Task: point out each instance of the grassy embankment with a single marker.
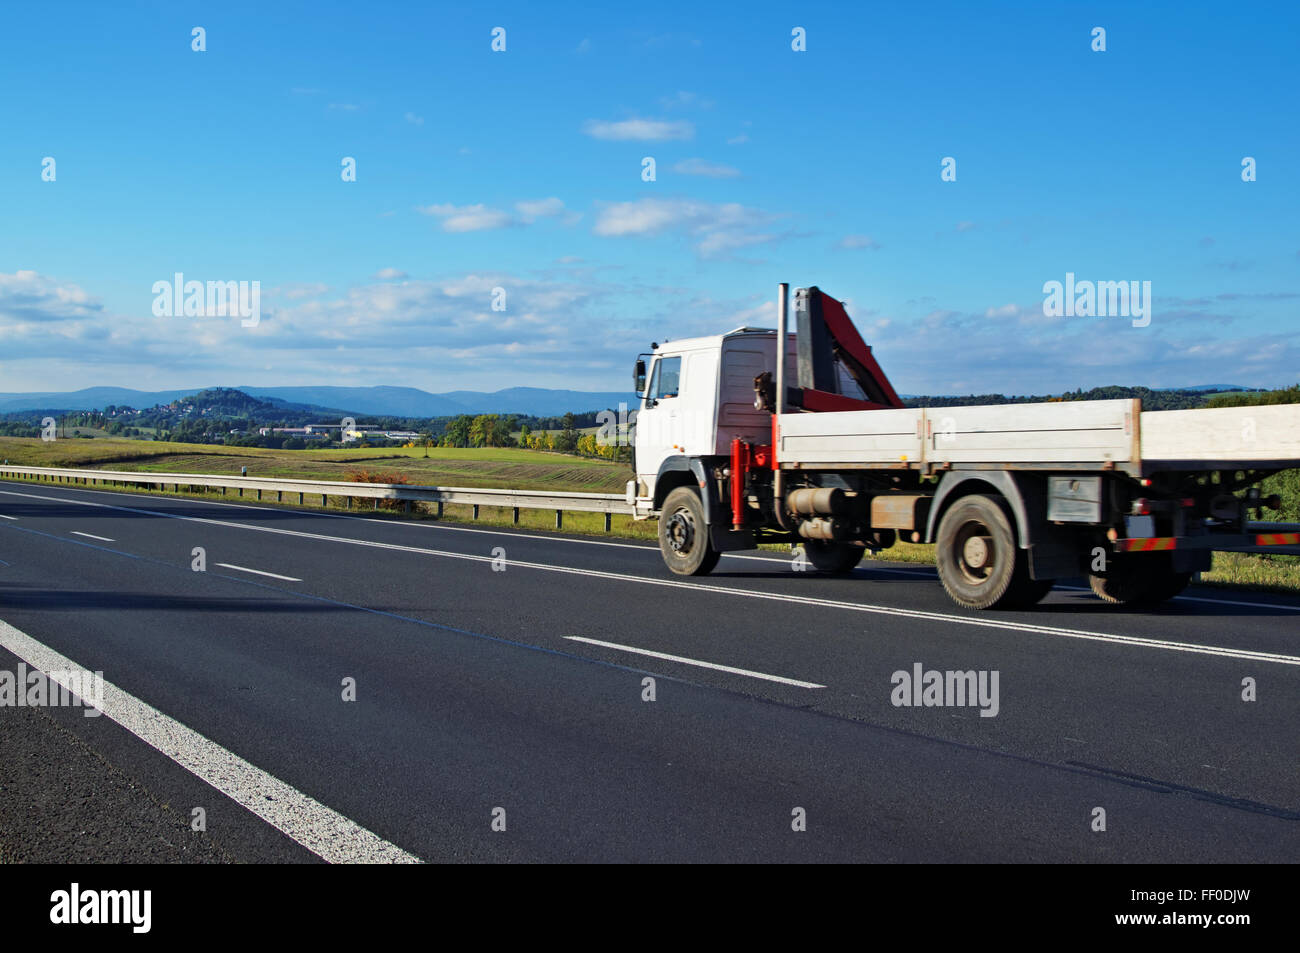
(502, 468)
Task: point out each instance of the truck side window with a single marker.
(668, 373)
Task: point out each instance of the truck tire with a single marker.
(1145, 580)
(831, 557)
(979, 562)
(684, 535)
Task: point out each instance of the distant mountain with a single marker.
(91, 398)
(391, 401)
(384, 400)
(538, 401)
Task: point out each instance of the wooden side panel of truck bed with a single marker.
(1088, 433)
(1222, 436)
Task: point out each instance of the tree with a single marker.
(501, 427)
(567, 442)
(480, 431)
(457, 434)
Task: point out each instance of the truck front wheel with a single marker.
(684, 535)
(979, 563)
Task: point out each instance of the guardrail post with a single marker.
(279, 496)
(300, 499)
(559, 518)
(475, 511)
(241, 491)
(324, 500)
(516, 515)
(406, 506)
(259, 496)
(374, 500)
(349, 503)
(223, 491)
(440, 509)
(609, 521)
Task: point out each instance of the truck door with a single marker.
(659, 422)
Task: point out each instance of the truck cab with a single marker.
(697, 397)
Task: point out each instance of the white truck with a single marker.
(733, 448)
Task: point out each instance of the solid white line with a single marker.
(3, 517)
(259, 572)
(691, 661)
(102, 539)
(321, 830)
(987, 622)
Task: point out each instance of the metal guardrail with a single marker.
(607, 503)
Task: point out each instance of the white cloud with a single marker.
(388, 274)
(532, 209)
(29, 297)
(716, 228)
(414, 120)
(703, 167)
(466, 218)
(642, 130)
(345, 107)
(739, 140)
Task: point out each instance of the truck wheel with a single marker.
(684, 535)
(980, 565)
(1139, 580)
(831, 557)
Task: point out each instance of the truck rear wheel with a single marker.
(831, 557)
(684, 535)
(980, 564)
(1133, 580)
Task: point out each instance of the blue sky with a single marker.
(522, 170)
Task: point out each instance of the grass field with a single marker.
(494, 468)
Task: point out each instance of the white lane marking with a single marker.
(3, 517)
(258, 572)
(102, 539)
(690, 661)
(806, 601)
(321, 830)
(584, 542)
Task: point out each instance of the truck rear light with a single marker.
(1141, 507)
(1188, 502)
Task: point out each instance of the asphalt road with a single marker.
(500, 681)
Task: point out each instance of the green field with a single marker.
(488, 468)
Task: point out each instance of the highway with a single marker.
(500, 681)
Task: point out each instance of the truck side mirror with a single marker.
(639, 377)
